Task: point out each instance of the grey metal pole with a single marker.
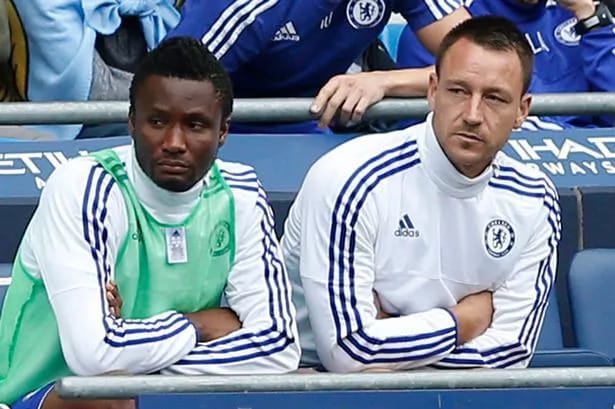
(105, 387)
(265, 110)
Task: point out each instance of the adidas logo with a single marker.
(287, 33)
(406, 228)
(326, 22)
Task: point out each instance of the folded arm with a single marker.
(519, 303)
(74, 238)
(338, 233)
(258, 292)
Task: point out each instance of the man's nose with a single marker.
(174, 139)
(473, 114)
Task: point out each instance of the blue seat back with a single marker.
(551, 334)
(591, 284)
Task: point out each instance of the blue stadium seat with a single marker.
(5, 273)
(567, 357)
(550, 351)
(591, 283)
(551, 333)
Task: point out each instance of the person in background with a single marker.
(70, 50)
(287, 48)
(155, 256)
(429, 246)
(572, 41)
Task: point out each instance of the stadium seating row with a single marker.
(584, 211)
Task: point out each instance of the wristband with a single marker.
(602, 17)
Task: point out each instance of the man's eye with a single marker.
(196, 125)
(155, 121)
(496, 98)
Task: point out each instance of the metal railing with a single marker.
(284, 109)
(106, 387)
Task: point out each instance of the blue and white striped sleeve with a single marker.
(431, 20)
(422, 13)
(235, 31)
(339, 228)
(74, 237)
(521, 301)
(258, 291)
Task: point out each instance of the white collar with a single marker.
(165, 206)
(442, 172)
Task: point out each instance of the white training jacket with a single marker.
(258, 290)
(389, 213)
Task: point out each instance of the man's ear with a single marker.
(524, 109)
(431, 90)
(224, 128)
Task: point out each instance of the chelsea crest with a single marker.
(365, 13)
(499, 238)
(565, 34)
(220, 239)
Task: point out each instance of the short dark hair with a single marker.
(185, 58)
(492, 33)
